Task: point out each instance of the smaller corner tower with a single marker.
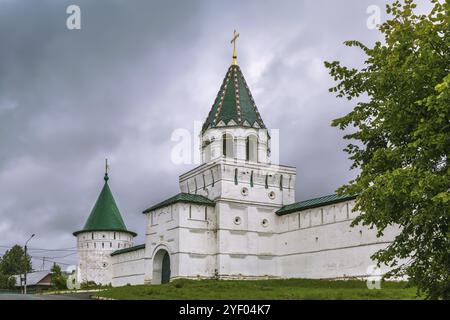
(103, 233)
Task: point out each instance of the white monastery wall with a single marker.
(245, 240)
(320, 243)
(188, 233)
(128, 268)
(197, 249)
(241, 237)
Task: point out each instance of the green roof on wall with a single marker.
(182, 197)
(130, 249)
(313, 203)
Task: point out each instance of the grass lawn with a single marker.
(297, 289)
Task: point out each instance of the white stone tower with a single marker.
(237, 174)
(103, 233)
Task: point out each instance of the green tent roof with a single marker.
(105, 216)
(234, 104)
(313, 203)
(182, 197)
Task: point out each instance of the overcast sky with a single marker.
(135, 72)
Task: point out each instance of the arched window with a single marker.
(228, 145)
(251, 148)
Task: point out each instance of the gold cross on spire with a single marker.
(233, 41)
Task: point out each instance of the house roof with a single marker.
(105, 216)
(34, 278)
(182, 197)
(130, 249)
(313, 203)
(234, 104)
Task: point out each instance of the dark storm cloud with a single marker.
(136, 71)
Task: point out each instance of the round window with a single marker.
(272, 195)
(244, 191)
(237, 220)
(265, 222)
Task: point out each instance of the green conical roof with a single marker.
(105, 216)
(234, 104)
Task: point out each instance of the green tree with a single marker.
(59, 280)
(400, 140)
(14, 261)
(7, 281)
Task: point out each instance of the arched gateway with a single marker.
(161, 267)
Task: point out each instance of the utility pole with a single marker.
(26, 265)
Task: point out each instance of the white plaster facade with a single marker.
(243, 238)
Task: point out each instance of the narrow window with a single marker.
(110, 244)
(114, 236)
(95, 245)
(103, 245)
(195, 181)
(236, 176)
(281, 182)
(224, 145)
(251, 179)
(92, 236)
(206, 213)
(190, 211)
(267, 181)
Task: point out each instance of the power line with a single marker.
(62, 249)
(49, 259)
(58, 257)
(57, 262)
(43, 249)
